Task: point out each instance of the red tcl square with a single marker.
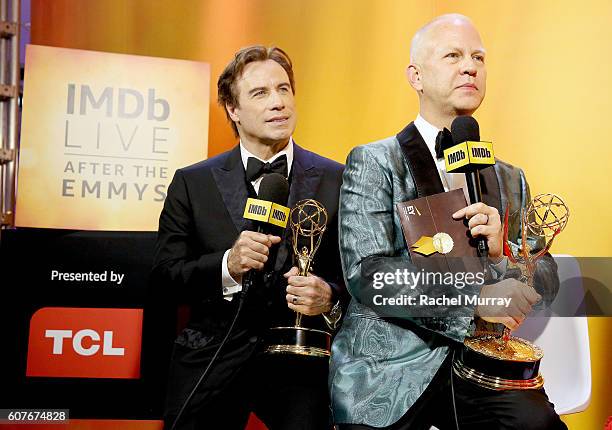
(85, 343)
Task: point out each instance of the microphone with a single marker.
(268, 210)
(270, 216)
(468, 155)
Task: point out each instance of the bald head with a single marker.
(425, 38)
(447, 69)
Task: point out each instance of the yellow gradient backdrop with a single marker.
(548, 108)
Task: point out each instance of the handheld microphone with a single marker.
(468, 155)
(270, 216)
(268, 210)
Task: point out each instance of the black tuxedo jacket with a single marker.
(202, 217)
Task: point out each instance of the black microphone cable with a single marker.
(465, 129)
(453, 390)
(212, 361)
(275, 188)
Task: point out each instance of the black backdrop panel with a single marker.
(28, 257)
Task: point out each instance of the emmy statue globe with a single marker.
(504, 362)
(308, 222)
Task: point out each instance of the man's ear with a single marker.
(231, 110)
(413, 72)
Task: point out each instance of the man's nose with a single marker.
(468, 66)
(276, 101)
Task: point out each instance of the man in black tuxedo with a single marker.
(205, 247)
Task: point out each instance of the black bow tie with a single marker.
(256, 168)
(444, 140)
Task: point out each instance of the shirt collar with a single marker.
(287, 150)
(429, 133)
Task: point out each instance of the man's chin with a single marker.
(280, 134)
(276, 138)
(467, 108)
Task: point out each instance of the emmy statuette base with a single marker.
(495, 371)
(298, 341)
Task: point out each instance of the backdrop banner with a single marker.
(102, 135)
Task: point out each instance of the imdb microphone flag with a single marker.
(266, 212)
(102, 135)
(468, 155)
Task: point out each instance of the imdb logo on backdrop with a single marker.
(102, 135)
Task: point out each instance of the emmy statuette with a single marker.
(308, 222)
(506, 362)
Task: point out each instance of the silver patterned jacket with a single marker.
(379, 367)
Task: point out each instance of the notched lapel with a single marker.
(231, 184)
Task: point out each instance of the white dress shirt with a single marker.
(230, 286)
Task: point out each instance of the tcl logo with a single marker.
(77, 342)
(85, 342)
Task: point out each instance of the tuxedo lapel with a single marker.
(231, 184)
(491, 193)
(425, 172)
(422, 165)
(305, 178)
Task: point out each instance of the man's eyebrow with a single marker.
(254, 90)
(456, 48)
